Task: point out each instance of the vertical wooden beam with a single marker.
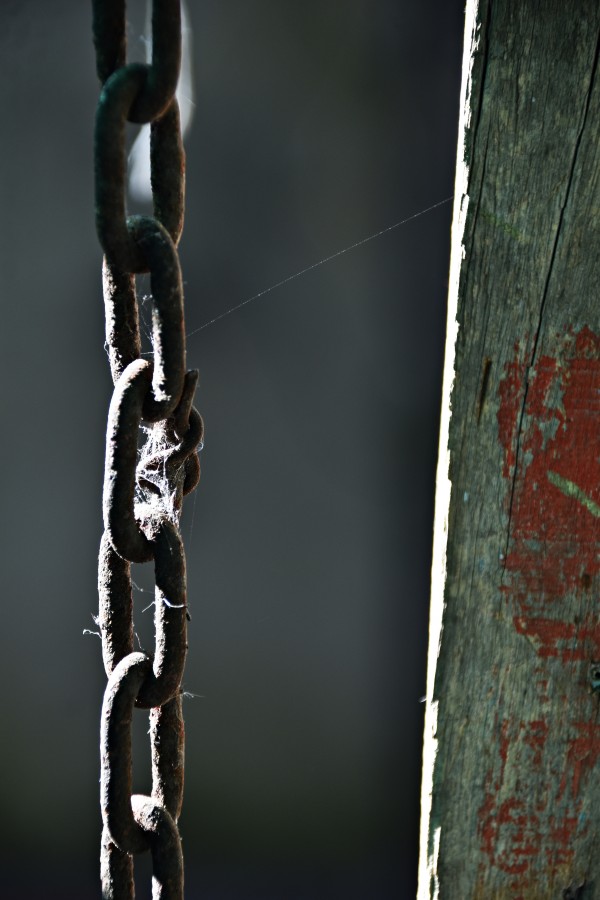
(511, 784)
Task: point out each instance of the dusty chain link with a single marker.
(143, 490)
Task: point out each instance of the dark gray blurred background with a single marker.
(316, 123)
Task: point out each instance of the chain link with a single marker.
(143, 490)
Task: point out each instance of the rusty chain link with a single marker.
(143, 490)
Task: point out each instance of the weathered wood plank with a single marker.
(511, 790)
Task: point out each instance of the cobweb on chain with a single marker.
(159, 483)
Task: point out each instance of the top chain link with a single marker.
(137, 93)
(143, 498)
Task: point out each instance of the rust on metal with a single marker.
(143, 489)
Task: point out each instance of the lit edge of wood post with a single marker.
(429, 840)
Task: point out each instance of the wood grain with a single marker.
(512, 745)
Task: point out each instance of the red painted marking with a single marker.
(536, 739)
(554, 537)
(510, 832)
(559, 844)
(553, 553)
(582, 756)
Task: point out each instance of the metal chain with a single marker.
(142, 497)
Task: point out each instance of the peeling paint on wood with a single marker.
(553, 499)
(549, 427)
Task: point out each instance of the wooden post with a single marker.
(511, 784)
